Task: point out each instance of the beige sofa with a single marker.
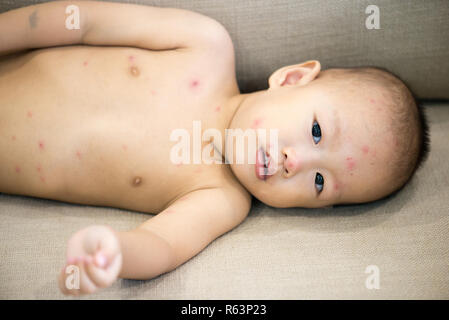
(285, 253)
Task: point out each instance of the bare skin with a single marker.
(91, 124)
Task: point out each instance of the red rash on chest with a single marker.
(17, 168)
(41, 145)
(29, 114)
(78, 155)
(38, 168)
(365, 149)
(194, 84)
(13, 138)
(217, 109)
(85, 63)
(256, 123)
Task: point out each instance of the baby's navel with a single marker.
(137, 181)
(134, 71)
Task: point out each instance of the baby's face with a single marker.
(333, 145)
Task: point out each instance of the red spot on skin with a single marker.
(336, 186)
(217, 109)
(365, 149)
(42, 179)
(13, 138)
(41, 145)
(131, 58)
(29, 114)
(78, 155)
(256, 123)
(17, 168)
(124, 147)
(350, 163)
(194, 84)
(39, 168)
(153, 92)
(85, 63)
(372, 100)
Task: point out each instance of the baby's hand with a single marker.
(96, 259)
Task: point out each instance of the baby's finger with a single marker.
(104, 277)
(80, 282)
(101, 238)
(99, 276)
(86, 284)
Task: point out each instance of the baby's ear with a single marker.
(295, 75)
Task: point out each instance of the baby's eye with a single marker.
(319, 182)
(316, 132)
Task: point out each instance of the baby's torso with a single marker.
(92, 125)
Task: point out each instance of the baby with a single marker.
(100, 122)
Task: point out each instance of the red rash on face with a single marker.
(365, 149)
(336, 186)
(350, 163)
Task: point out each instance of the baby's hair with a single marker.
(408, 121)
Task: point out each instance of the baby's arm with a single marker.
(167, 240)
(181, 231)
(109, 24)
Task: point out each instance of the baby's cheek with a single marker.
(350, 163)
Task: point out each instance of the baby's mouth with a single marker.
(265, 167)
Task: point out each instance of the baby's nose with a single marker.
(291, 160)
